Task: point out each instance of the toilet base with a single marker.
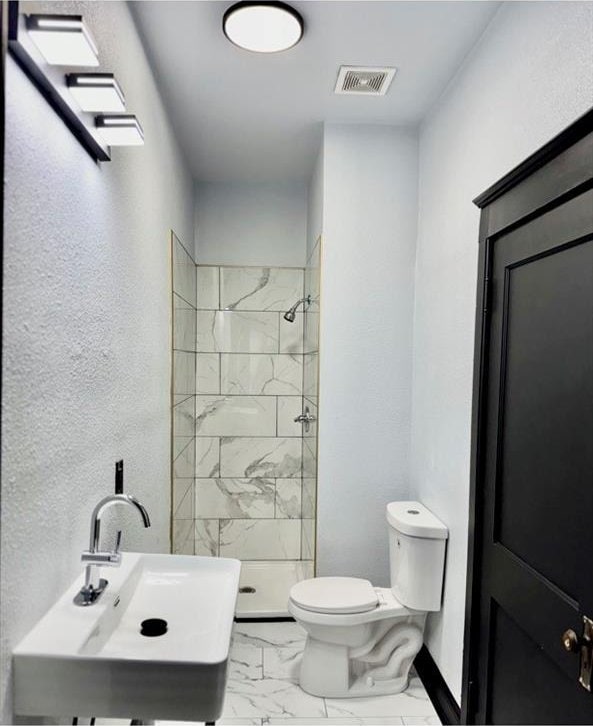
(378, 664)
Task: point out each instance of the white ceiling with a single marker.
(244, 116)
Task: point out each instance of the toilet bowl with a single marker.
(362, 640)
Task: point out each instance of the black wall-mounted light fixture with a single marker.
(263, 27)
(46, 47)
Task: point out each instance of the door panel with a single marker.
(536, 577)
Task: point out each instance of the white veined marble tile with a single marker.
(206, 535)
(260, 539)
(260, 288)
(267, 635)
(180, 304)
(310, 373)
(207, 456)
(207, 288)
(237, 332)
(184, 274)
(235, 416)
(184, 463)
(421, 721)
(235, 498)
(413, 701)
(289, 407)
(309, 458)
(183, 498)
(269, 375)
(268, 458)
(183, 537)
(207, 373)
(184, 415)
(246, 663)
(184, 372)
(309, 497)
(288, 498)
(291, 334)
(282, 663)
(311, 333)
(184, 329)
(269, 697)
(308, 539)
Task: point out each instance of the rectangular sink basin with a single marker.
(94, 661)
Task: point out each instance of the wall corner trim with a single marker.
(442, 699)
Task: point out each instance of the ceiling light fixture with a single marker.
(263, 27)
(96, 92)
(63, 40)
(120, 129)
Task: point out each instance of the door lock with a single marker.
(584, 646)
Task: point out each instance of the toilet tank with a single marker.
(417, 541)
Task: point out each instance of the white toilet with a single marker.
(361, 640)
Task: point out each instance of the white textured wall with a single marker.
(315, 204)
(369, 234)
(86, 329)
(251, 224)
(530, 76)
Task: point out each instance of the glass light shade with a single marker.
(263, 27)
(96, 92)
(63, 40)
(120, 129)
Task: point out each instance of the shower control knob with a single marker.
(305, 418)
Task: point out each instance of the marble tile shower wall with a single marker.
(246, 499)
(310, 400)
(183, 390)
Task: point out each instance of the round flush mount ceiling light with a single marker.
(263, 27)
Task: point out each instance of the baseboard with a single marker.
(438, 691)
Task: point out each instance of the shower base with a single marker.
(264, 587)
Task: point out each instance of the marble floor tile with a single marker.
(269, 635)
(386, 721)
(421, 721)
(413, 701)
(269, 697)
(282, 663)
(246, 663)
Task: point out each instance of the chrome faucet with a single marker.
(94, 586)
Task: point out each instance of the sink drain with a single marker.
(153, 627)
(247, 590)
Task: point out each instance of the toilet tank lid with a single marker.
(415, 520)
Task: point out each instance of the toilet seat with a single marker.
(335, 595)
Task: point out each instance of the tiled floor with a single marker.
(263, 687)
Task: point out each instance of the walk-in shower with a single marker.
(244, 410)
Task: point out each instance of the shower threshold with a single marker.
(264, 587)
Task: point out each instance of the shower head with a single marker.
(290, 315)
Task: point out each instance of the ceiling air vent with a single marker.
(364, 81)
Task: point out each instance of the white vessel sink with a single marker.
(93, 661)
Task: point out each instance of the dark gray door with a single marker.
(536, 538)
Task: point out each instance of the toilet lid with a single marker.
(335, 595)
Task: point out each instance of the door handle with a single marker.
(584, 646)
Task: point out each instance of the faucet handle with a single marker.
(117, 542)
